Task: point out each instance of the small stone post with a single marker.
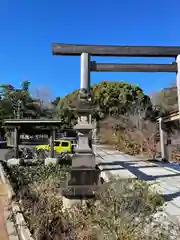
(162, 140)
(51, 143)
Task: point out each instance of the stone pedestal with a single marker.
(85, 160)
(82, 183)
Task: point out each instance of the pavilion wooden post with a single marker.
(16, 142)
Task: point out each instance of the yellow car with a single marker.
(59, 146)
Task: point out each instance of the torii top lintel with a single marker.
(112, 50)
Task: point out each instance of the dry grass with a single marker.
(131, 139)
(107, 135)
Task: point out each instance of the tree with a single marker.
(15, 99)
(141, 128)
(18, 103)
(114, 97)
(167, 99)
(56, 101)
(111, 98)
(42, 98)
(25, 86)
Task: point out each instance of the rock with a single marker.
(49, 160)
(14, 161)
(68, 203)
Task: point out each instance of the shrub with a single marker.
(124, 211)
(21, 176)
(43, 211)
(121, 210)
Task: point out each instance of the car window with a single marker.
(56, 144)
(64, 144)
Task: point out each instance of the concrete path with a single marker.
(113, 162)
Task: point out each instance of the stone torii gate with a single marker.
(87, 66)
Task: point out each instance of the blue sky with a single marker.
(27, 28)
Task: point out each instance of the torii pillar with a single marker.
(85, 72)
(178, 80)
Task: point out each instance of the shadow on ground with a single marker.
(135, 170)
(128, 165)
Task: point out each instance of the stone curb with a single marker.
(172, 170)
(5, 180)
(20, 223)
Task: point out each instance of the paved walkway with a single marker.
(167, 176)
(3, 206)
(7, 229)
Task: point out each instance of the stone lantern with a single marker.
(84, 175)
